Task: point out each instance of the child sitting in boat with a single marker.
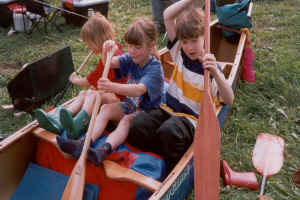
(143, 91)
(94, 32)
(169, 130)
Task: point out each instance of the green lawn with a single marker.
(271, 104)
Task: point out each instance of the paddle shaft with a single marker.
(207, 41)
(207, 136)
(75, 186)
(263, 185)
(84, 62)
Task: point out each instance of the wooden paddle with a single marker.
(75, 185)
(116, 172)
(207, 137)
(267, 156)
(84, 62)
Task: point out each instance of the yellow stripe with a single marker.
(188, 90)
(170, 110)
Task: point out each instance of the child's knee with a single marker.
(109, 98)
(128, 118)
(82, 93)
(90, 93)
(106, 109)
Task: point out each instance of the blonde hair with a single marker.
(142, 31)
(190, 24)
(97, 30)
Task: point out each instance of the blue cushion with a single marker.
(42, 183)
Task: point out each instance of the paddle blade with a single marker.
(75, 186)
(207, 152)
(267, 155)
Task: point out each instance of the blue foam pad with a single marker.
(42, 183)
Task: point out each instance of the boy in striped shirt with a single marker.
(169, 130)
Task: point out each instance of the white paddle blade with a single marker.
(268, 155)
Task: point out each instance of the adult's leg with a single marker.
(175, 136)
(158, 8)
(142, 132)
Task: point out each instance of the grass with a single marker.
(271, 104)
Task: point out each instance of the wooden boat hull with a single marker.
(181, 180)
(18, 150)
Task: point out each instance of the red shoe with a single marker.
(242, 179)
(296, 178)
(247, 70)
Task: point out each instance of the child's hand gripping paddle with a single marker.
(207, 137)
(75, 185)
(267, 156)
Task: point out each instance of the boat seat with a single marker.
(225, 67)
(112, 169)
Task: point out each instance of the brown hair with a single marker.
(190, 24)
(142, 31)
(97, 29)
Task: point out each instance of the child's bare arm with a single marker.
(170, 15)
(131, 90)
(108, 46)
(209, 62)
(76, 80)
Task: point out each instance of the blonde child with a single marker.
(94, 32)
(169, 130)
(143, 91)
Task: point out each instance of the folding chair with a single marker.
(41, 12)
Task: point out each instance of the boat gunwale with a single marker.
(4, 144)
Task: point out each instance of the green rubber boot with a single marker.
(49, 122)
(74, 126)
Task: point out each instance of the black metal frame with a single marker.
(37, 7)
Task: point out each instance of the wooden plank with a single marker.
(119, 173)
